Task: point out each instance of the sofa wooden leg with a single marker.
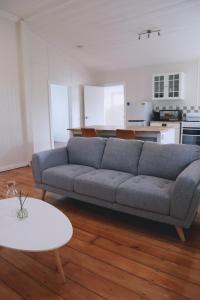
(180, 232)
(198, 210)
(43, 194)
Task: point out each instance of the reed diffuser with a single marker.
(22, 213)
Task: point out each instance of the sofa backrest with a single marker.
(166, 161)
(122, 155)
(86, 151)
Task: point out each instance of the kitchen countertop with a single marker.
(156, 129)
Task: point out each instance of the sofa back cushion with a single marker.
(86, 151)
(122, 155)
(166, 161)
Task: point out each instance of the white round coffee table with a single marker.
(46, 228)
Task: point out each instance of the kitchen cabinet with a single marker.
(169, 86)
(175, 125)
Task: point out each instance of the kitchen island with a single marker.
(157, 134)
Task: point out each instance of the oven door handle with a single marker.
(191, 128)
(191, 134)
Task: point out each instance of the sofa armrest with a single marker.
(185, 191)
(47, 159)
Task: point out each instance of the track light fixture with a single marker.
(148, 33)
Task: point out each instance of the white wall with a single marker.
(12, 134)
(48, 64)
(138, 82)
(27, 65)
(59, 113)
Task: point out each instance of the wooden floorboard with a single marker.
(138, 273)
(111, 256)
(46, 276)
(8, 293)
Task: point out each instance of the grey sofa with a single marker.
(159, 182)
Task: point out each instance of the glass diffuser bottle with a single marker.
(11, 189)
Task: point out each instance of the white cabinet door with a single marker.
(175, 125)
(94, 112)
(159, 84)
(175, 86)
(168, 86)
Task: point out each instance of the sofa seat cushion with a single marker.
(147, 193)
(100, 183)
(63, 176)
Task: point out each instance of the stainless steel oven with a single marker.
(191, 133)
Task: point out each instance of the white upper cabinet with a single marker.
(168, 86)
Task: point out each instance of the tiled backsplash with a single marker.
(185, 109)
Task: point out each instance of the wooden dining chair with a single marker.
(125, 134)
(88, 132)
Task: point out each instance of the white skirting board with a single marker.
(14, 166)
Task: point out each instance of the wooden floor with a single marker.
(111, 256)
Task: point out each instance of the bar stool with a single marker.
(88, 132)
(125, 134)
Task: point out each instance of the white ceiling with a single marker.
(108, 29)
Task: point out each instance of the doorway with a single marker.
(59, 115)
(104, 105)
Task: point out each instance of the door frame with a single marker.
(124, 85)
(62, 83)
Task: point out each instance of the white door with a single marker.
(59, 104)
(94, 105)
(114, 106)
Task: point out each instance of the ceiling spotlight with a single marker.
(148, 33)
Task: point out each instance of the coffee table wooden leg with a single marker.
(59, 265)
(43, 194)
